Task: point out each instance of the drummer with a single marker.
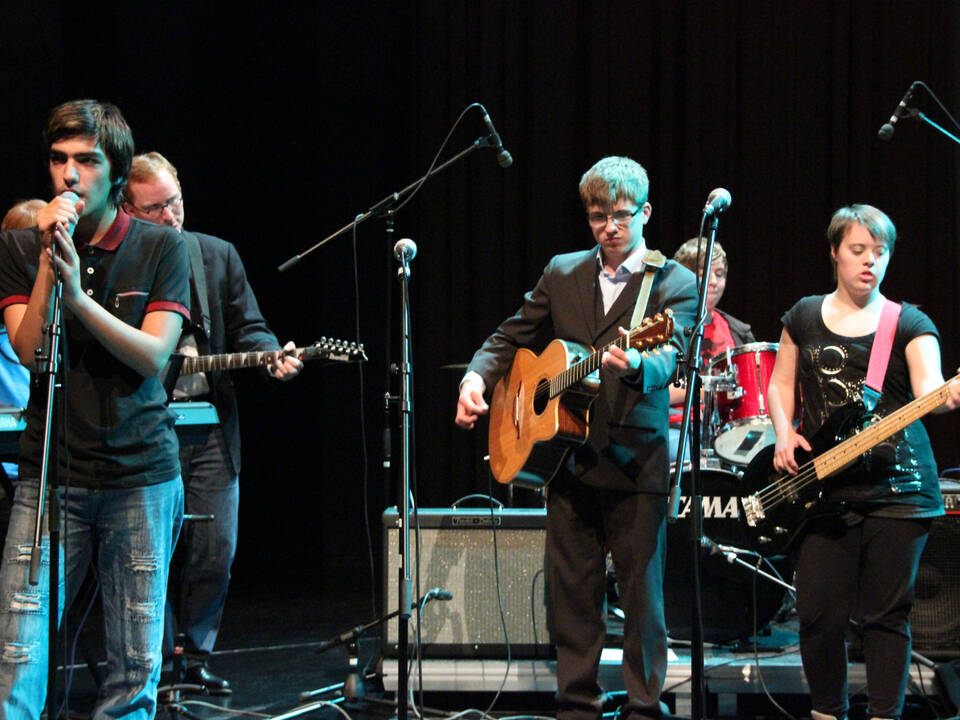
(721, 331)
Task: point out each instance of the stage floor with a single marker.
(269, 653)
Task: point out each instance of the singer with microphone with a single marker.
(611, 493)
(861, 555)
(225, 318)
(125, 295)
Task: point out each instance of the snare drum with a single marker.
(743, 421)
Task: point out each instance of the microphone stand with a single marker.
(406, 418)
(385, 208)
(48, 482)
(691, 419)
(913, 112)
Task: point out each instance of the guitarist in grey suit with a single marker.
(226, 318)
(610, 494)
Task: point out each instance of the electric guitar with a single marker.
(323, 349)
(781, 504)
(541, 407)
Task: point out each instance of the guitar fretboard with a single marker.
(871, 436)
(322, 350)
(654, 333)
(230, 361)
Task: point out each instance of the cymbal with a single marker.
(454, 366)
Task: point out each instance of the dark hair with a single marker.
(876, 221)
(101, 121)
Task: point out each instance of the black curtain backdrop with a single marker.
(287, 121)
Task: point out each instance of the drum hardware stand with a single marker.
(691, 420)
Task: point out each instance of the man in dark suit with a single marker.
(225, 318)
(610, 494)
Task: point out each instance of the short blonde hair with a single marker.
(693, 248)
(613, 178)
(22, 215)
(146, 168)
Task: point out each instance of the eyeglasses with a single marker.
(621, 218)
(156, 210)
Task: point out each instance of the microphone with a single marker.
(504, 159)
(886, 130)
(405, 250)
(438, 593)
(74, 199)
(718, 201)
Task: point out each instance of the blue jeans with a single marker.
(200, 574)
(134, 532)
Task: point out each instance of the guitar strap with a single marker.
(653, 260)
(198, 281)
(880, 354)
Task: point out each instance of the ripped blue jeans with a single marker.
(133, 532)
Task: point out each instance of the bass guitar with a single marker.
(541, 407)
(778, 505)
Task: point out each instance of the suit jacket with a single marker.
(627, 444)
(236, 325)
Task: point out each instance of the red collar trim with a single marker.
(116, 232)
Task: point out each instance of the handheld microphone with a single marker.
(504, 159)
(74, 199)
(886, 130)
(718, 201)
(405, 250)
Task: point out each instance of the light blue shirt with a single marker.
(612, 285)
(14, 384)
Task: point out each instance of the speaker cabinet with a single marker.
(935, 620)
(457, 554)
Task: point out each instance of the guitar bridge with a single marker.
(516, 409)
(753, 510)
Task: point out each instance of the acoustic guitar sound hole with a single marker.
(541, 397)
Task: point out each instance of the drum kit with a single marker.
(736, 426)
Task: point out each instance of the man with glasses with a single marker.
(610, 494)
(225, 318)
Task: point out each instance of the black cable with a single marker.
(756, 641)
(503, 617)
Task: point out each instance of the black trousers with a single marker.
(583, 522)
(868, 569)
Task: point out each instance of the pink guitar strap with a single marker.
(880, 354)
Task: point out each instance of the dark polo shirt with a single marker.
(118, 429)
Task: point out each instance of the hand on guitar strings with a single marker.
(622, 362)
(287, 366)
(471, 405)
(783, 457)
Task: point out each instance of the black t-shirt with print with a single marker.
(831, 371)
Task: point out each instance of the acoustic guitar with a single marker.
(541, 407)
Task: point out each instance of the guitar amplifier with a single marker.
(457, 555)
(935, 620)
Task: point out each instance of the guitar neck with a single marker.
(850, 449)
(232, 361)
(578, 371)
